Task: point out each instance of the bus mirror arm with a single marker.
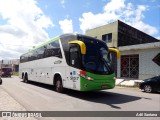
(116, 51)
(81, 44)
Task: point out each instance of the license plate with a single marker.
(104, 86)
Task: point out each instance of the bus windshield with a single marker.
(97, 58)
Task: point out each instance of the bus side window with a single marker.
(45, 53)
(22, 59)
(53, 49)
(56, 49)
(40, 52)
(34, 55)
(75, 59)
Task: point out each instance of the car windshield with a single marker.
(97, 58)
(156, 77)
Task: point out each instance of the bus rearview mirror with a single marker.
(116, 51)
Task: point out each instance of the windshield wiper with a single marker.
(107, 65)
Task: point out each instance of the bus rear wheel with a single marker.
(25, 78)
(58, 84)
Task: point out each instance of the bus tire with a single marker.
(58, 84)
(25, 78)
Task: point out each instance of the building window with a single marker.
(107, 37)
(157, 59)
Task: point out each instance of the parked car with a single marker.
(6, 72)
(0, 80)
(151, 84)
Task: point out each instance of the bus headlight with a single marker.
(89, 78)
(83, 74)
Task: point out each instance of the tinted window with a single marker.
(156, 78)
(40, 52)
(29, 56)
(107, 37)
(34, 55)
(64, 40)
(97, 58)
(24, 58)
(75, 59)
(53, 49)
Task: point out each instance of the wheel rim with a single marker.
(147, 88)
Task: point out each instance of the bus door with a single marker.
(75, 65)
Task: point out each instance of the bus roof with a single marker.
(57, 38)
(49, 41)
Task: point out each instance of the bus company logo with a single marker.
(6, 114)
(58, 62)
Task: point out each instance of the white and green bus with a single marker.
(72, 61)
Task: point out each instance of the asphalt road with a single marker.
(39, 97)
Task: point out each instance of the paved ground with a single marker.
(18, 96)
(8, 103)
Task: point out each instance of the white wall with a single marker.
(147, 68)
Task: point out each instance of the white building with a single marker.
(140, 52)
(143, 59)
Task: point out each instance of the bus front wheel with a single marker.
(58, 84)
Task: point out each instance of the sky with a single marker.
(28, 23)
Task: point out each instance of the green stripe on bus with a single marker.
(46, 43)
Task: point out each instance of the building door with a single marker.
(130, 66)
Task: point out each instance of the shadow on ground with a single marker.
(104, 97)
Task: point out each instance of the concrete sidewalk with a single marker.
(125, 82)
(8, 103)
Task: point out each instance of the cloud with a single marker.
(118, 9)
(66, 26)
(24, 26)
(114, 6)
(62, 3)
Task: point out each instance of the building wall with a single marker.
(122, 34)
(147, 68)
(128, 35)
(14, 64)
(109, 28)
